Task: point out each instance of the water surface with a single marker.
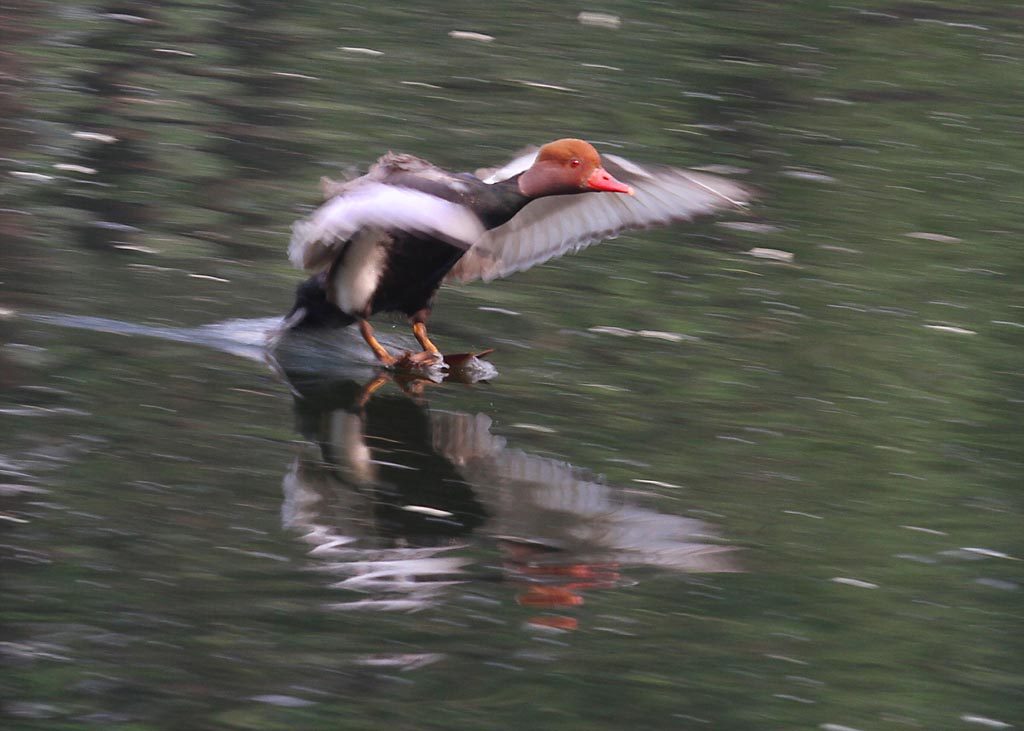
(702, 488)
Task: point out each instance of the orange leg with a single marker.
(420, 331)
(382, 355)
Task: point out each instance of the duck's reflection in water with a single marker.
(400, 502)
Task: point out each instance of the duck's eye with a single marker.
(574, 163)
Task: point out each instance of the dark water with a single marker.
(703, 489)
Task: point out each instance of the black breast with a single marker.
(414, 269)
(416, 263)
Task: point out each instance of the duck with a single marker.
(388, 240)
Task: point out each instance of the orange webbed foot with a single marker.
(423, 360)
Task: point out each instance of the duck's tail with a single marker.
(312, 309)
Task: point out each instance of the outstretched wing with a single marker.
(317, 239)
(550, 227)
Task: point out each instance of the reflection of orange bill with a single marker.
(595, 572)
(548, 596)
(555, 622)
(575, 570)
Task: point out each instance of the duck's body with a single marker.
(386, 241)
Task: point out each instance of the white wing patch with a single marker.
(522, 162)
(627, 165)
(370, 205)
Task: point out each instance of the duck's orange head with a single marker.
(568, 166)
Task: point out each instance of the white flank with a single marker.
(359, 272)
(383, 207)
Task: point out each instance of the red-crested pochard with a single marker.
(386, 241)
